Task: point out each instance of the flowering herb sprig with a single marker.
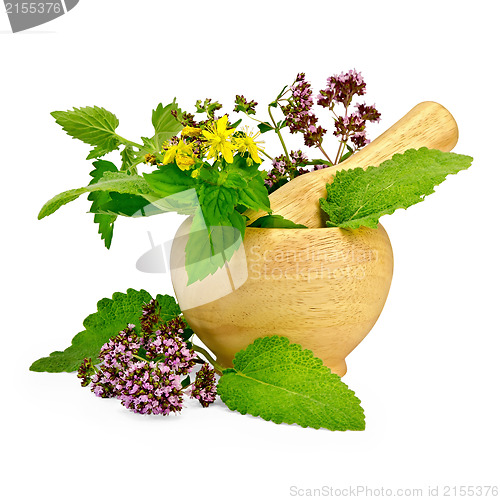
(296, 103)
(203, 164)
(148, 369)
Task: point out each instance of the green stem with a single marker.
(269, 156)
(276, 129)
(324, 152)
(256, 119)
(219, 368)
(141, 359)
(127, 142)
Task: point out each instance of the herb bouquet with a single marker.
(141, 349)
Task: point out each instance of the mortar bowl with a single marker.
(322, 288)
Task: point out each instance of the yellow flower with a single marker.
(184, 156)
(248, 143)
(170, 153)
(191, 132)
(217, 136)
(195, 173)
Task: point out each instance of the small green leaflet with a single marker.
(99, 198)
(276, 221)
(119, 182)
(360, 197)
(92, 125)
(165, 124)
(282, 382)
(128, 157)
(111, 317)
(265, 127)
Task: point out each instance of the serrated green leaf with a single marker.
(128, 157)
(282, 382)
(209, 247)
(105, 222)
(276, 221)
(127, 205)
(255, 195)
(169, 309)
(201, 260)
(119, 182)
(217, 203)
(360, 197)
(169, 180)
(97, 152)
(165, 124)
(92, 125)
(111, 317)
(235, 180)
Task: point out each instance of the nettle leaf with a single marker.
(111, 317)
(276, 221)
(165, 124)
(92, 125)
(99, 198)
(282, 382)
(360, 197)
(119, 182)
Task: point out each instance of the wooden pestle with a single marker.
(428, 124)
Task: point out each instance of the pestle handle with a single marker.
(428, 124)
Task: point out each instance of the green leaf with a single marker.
(317, 162)
(165, 124)
(127, 205)
(120, 182)
(111, 317)
(265, 127)
(169, 180)
(216, 232)
(217, 203)
(92, 125)
(169, 309)
(360, 197)
(235, 180)
(128, 157)
(282, 382)
(105, 222)
(201, 260)
(255, 195)
(276, 221)
(209, 247)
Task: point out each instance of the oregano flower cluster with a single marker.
(149, 371)
(297, 102)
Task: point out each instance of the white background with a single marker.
(428, 373)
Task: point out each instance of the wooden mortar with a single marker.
(323, 288)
